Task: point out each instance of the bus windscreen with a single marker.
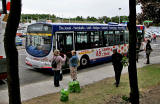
(38, 40)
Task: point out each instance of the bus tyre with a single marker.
(84, 62)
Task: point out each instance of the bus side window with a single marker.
(105, 38)
(81, 40)
(126, 36)
(122, 37)
(101, 39)
(95, 39)
(111, 38)
(117, 37)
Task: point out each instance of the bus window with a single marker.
(81, 40)
(94, 39)
(117, 37)
(38, 40)
(122, 37)
(65, 42)
(101, 39)
(47, 29)
(38, 45)
(126, 35)
(105, 38)
(111, 38)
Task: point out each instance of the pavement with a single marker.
(47, 87)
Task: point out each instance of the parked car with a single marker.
(18, 41)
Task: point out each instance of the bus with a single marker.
(92, 42)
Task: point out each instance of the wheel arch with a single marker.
(86, 56)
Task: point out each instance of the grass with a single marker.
(102, 91)
(149, 76)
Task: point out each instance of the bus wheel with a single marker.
(84, 62)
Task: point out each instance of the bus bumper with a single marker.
(38, 64)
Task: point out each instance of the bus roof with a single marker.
(88, 26)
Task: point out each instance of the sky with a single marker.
(73, 8)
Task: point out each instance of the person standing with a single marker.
(73, 65)
(154, 36)
(56, 68)
(148, 51)
(137, 50)
(117, 65)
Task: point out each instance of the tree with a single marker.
(79, 18)
(92, 19)
(104, 19)
(150, 10)
(12, 53)
(115, 19)
(132, 69)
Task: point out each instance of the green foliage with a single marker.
(125, 98)
(104, 19)
(29, 17)
(78, 19)
(125, 61)
(91, 19)
(74, 86)
(122, 18)
(64, 95)
(115, 19)
(150, 11)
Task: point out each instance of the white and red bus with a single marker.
(92, 42)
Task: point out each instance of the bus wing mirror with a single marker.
(3, 9)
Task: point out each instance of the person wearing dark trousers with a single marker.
(117, 65)
(56, 78)
(56, 69)
(148, 51)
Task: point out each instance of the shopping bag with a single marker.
(64, 95)
(61, 76)
(77, 86)
(71, 86)
(74, 87)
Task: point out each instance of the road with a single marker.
(28, 75)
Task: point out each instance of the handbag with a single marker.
(148, 51)
(61, 75)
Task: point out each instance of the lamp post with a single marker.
(119, 15)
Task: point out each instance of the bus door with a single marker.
(65, 42)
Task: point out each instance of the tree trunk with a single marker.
(12, 53)
(132, 69)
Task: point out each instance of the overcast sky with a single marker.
(73, 8)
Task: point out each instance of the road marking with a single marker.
(26, 67)
(22, 54)
(155, 44)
